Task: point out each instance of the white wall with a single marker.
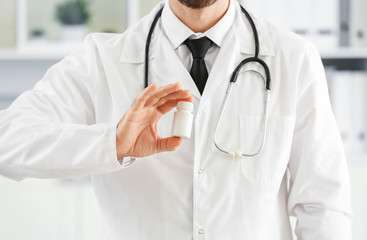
(359, 200)
(48, 209)
(7, 24)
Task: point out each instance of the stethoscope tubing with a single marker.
(254, 30)
(253, 59)
(265, 124)
(147, 44)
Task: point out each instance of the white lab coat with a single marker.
(65, 127)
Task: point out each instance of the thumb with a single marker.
(168, 144)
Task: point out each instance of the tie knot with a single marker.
(198, 47)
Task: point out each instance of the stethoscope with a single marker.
(233, 154)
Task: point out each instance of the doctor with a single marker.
(89, 115)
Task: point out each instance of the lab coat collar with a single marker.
(163, 61)
(133, 50)
(134, 46)
(245, 35)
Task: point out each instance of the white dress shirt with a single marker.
(177, 32)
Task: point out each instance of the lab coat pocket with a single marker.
(269, 166)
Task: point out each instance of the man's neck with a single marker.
(200, 20)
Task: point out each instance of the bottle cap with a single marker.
(188, 106)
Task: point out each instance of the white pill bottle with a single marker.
(182, 120)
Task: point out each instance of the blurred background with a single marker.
(35, 34)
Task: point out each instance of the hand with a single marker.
(136, 134)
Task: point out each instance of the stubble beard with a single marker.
(197, 4)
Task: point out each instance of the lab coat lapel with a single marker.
(169, 69)
(223, 66)
(164, 65)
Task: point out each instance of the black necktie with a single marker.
(198, 49)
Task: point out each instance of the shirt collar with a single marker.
(177, 32)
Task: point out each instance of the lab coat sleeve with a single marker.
(50, 131)
(319, 192)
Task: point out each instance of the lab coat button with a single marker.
(201, 231)
(200, 171)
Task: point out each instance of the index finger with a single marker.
(144, 95)
(169, 105)
(161, 92)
